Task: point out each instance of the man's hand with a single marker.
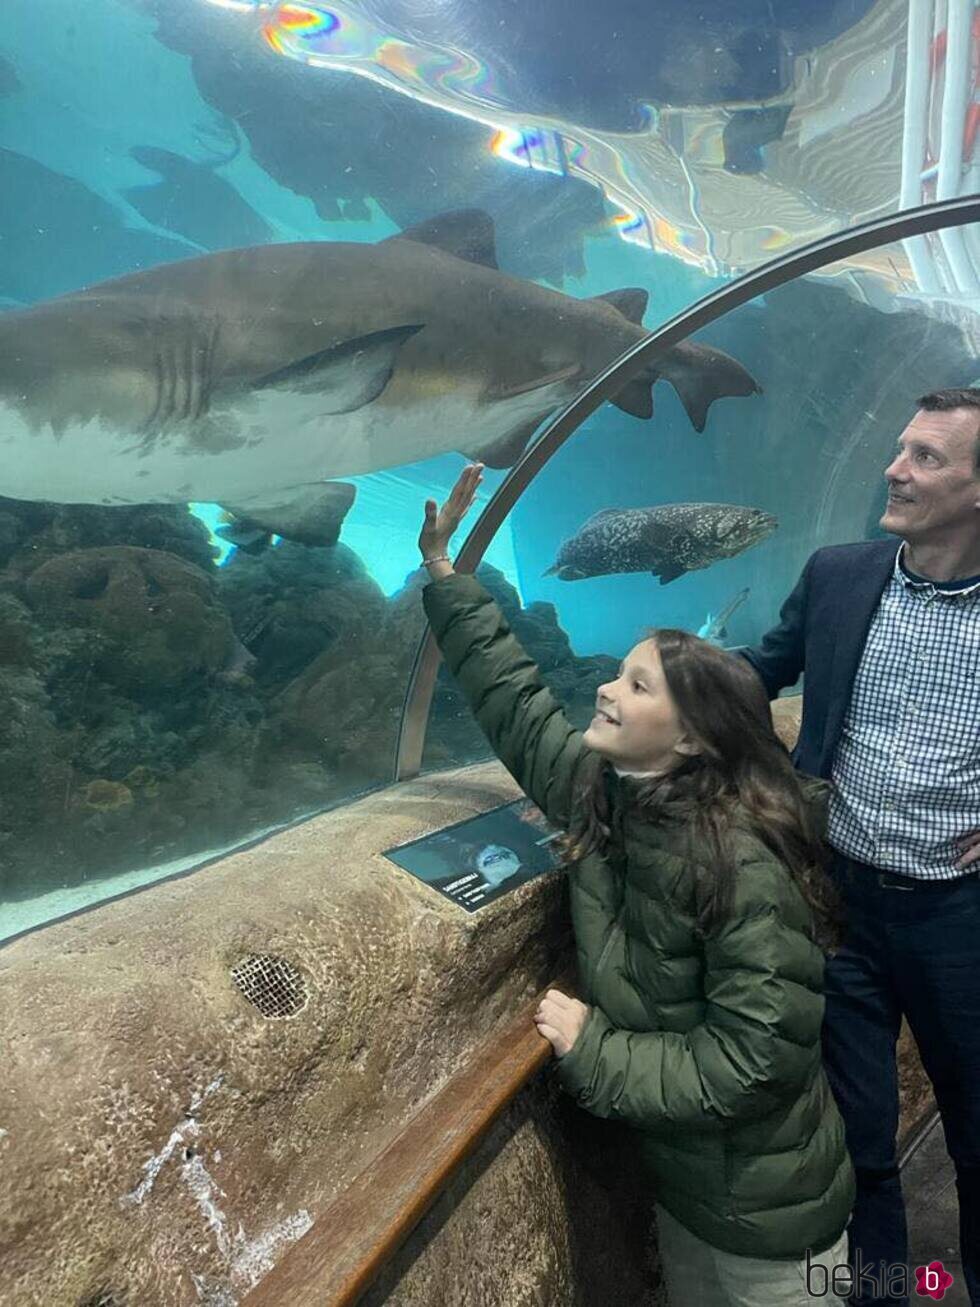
(560, 1019)
(968, 847)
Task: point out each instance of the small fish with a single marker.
(715, 626)
(666, 541)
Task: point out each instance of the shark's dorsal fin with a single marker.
(631, 302)
(465, 233)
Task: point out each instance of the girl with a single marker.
(701, 911)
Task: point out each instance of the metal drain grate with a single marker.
(271, 984)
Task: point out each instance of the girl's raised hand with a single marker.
(440, 524)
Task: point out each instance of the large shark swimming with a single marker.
(250, 377)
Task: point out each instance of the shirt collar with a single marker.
(923, 583)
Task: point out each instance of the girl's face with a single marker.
(636, 724)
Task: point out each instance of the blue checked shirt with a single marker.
(907, 769)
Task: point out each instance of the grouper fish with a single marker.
(249, 377)
(666, 541)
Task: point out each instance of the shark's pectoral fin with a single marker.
(309, 515)
(506, 451)
(636, 398)
(670, 573)
(465, 233)
(631, 302)
(701, 374)
(345, 376)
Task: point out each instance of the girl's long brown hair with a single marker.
(743, 773)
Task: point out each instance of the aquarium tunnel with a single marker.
(273, 918)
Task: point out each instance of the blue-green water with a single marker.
(164, 695)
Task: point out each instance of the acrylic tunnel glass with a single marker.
(185, 661)
(634, 524)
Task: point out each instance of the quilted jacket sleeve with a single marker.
(757, 1046)
(524, 723)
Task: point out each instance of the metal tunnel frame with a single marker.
(946, 214)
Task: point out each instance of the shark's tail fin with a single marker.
(699, 373)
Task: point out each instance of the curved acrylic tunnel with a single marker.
(820, 313)
(270, 273)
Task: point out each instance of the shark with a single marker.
(253, 378)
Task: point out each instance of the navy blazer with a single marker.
(821, 632)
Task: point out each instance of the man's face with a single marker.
(933, 483)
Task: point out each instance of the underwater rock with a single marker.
(341, 706)
(156, 617)
(159, 708)
(106, 796)
(291, 603)
(35, 774)
(31, 533)
(16, 634)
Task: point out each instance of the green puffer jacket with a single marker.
(710, 1049)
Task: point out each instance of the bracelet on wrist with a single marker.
(441, 558)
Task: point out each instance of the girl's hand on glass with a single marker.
(560, 1019)
(440, 523)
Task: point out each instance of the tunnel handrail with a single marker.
(955, 212)
(352, 1241)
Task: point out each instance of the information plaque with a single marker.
(482, 858)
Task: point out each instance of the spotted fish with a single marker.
(666, 541)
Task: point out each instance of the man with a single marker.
(889, 640)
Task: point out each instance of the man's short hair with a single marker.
(942, 401)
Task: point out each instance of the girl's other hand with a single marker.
(440, 524)
(561, 1020)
